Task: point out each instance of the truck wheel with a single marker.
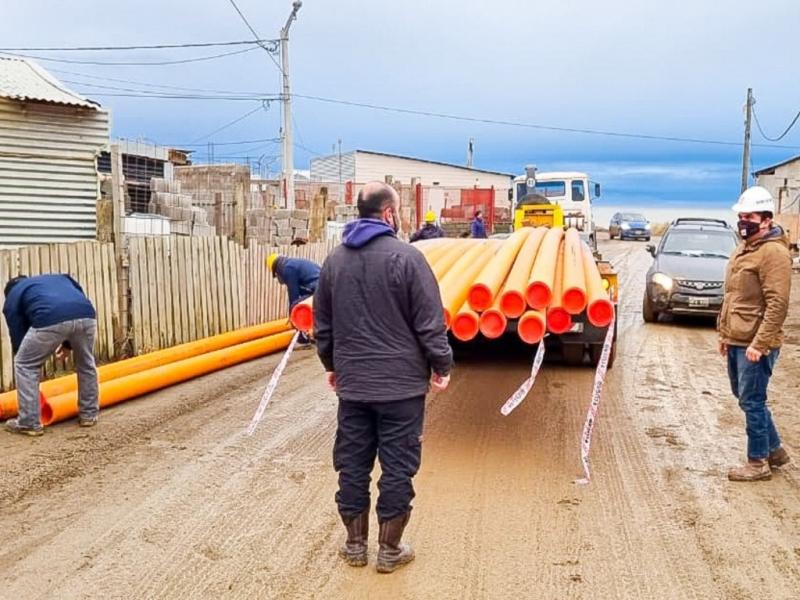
(595, 350)
(610, 235)
(648, 313)
(573, 354)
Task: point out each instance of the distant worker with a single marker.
(477, 227)
(50, 314)
(757, 285)
(429, 230)
(380, 333)
(300, 276)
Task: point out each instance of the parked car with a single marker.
(688, 273)
(629, 225)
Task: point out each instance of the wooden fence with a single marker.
(183, 289)
(92, 265)
(180, 289)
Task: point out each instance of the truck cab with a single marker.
(570, 191)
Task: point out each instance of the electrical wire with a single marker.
(257, 41)
(156, 85)
(129, 63)
(246, 96)
(255, 35)
(158, 96)
(230, 124)
(781, 136)
(487, 121)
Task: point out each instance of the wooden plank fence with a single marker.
(92, 265)
(181, 289)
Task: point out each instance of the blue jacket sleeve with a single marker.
(323, 324)
(17, 322)
(291, 278)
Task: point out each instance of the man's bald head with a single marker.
(374, 198)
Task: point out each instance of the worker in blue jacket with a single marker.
(477, 226)
(49, 314)
(300, 276)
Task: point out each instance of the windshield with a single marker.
(548, 189)
(699, 243)
(633, 217)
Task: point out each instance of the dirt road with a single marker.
(167, 498)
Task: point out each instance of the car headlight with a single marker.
(647, 225)
(664, 281)
(625, 226)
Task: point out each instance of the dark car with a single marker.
(629, 226)
(688, 272)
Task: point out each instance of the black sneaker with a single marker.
(87, 422)
(13, 426)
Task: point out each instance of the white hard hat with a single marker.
(755, 199)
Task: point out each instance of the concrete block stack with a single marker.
(346, 213)
(289, 225)
(259, 224)
(167, 200)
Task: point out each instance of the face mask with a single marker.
(395, 224)
(748, 228)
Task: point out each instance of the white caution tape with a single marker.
(273, 383)
(517, 397)
(591, 414)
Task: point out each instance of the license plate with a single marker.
(698, 302)
(576, 328)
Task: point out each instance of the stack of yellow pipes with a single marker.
(541, 276)
(146, 373)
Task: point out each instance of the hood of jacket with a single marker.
(361, 232)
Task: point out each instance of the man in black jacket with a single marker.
(380, 333)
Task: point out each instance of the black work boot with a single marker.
(391, 553)
(354, 550)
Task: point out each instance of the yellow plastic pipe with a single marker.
(558, 320)
(452, 256)
(493, 322)
(302, 315)
(512, 299)
(539, 291)
(599, 308)
(491, 278)
(573, 297)
(434, 251)
(531, 326)
(62, 385)
(454, 287)
(65, 406)
(466, 323)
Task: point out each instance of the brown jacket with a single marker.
(757, 285)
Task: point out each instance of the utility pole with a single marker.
(288, 141)
(746, 152)
(470, 152)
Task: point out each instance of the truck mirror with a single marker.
(510, 194)
(651, 249)
(596, 190)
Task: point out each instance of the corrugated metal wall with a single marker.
(48, 177)
(326, 168)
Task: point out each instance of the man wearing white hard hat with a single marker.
(750, 324)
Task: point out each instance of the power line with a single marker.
(246, 96)
(130, 64)
(236, 143)
(257, 41)
(255, 35)
(234, 122)
(157, 85)
(781, 136)
(488, 121)
(157, 96)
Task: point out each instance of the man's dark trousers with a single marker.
(390, 430)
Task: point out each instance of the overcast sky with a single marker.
(677, 69)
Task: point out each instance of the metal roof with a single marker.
(433, 162)
(775, 166)
(22, 79)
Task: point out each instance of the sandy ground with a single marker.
(167, 498)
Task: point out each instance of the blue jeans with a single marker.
(749, 382)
